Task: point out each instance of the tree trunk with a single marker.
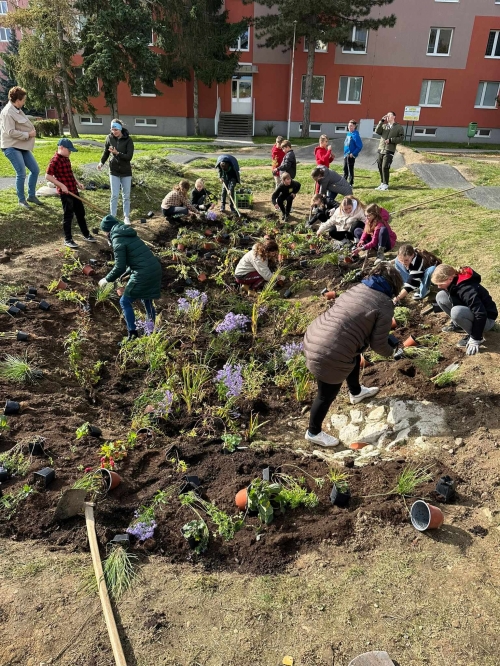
(311, 52)
(65, 84)
(60, 114)
(196, 112)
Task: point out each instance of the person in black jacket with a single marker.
(229, 175)
(283, 196)
(467, 302)
(319, 210)
(329, 184)
(199, 195)
(119, 147)
(289, 163)
(416, 268)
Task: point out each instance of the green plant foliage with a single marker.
(18, 369)
(119, 570)
(445, 378)
(197, 531)
(230, 442)
(9, 502)
(402, 315)
(409, 479)
(339, 479)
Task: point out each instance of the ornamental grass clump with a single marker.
(233, 322)
(18, 369)
(119, 571)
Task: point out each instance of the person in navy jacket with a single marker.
(352, 147)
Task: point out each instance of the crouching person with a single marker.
(133, 257)
(253, 269)
(319, 211)
(361, 317)
(467, 303)
(283, 196)
(416, 268)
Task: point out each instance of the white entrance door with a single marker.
(241, 95)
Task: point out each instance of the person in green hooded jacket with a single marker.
(132, 256)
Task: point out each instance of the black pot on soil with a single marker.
(94, 431)
(32, 290)
(339, 499)
(21, 336)
(13, 310)
(121, 540)
(36, 447)
(12, 300)
(11, 407)
(21, 306)
(4, 475)
(303, 263)
(287, 293)
(30, 297)
(43, 305)
(44, 477)
(446, 487)
(189, 483)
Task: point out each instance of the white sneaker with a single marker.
(383, 187)
(323, 439)
(365, 393)
(380, 186)
(127, 221)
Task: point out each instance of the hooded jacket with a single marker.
(333, 182)
(323, 156)
(250, 262)
(342, 221)
(360, 317)
(119, 165)
(352, 144)
(133, 255)
(466, 289)
(233, 173)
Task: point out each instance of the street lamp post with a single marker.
(291, 82)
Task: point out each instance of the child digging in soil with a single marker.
(60, 173)
(176, 202)
(253, 269)
(199, 196)
(416, 268)
(344, 220)
(283, 196)
(377, 233)
(467, 303)
(319, 211)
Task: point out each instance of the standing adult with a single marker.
(17, 140)
(334, 341)
(391, 133)
(323, 153)
(119, 147)
(330, 183)
(352, 147)
(132, 257)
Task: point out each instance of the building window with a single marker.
(483, 133)
(141, 122)
(493, 46)
(3, 7)
(487, 94)
(431, 93)
(313, 127)
(88, 120)
(318, 89)
(321, 47)
(4, 34)
(439, 41)
(243, 42)
(359, 39)
(350, 88)
(148, 89)
(340, 129)
(451, 0)
(426, 131)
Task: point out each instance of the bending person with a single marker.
(360, 318)
(229, 175)
(416, 268)
(283, 196)
(133, 257)
(344, 220)
(467, 303)
(377, 233)
(330, 184)
(253, 269)
(319, 211)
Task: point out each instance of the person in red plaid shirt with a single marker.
(60, 173)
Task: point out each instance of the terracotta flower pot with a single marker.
(329, 295)
(292, 246)
(61, 285)
(241, 499)
(425, 516)
(410, 342)
(208, 232)
(394, 324)
(202, 277)
(364, 362)
(357, 446)
(111, 479)
(348, 260)
(88, 270)
(208, 246)
(312, 246)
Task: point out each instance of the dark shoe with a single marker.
(132, 335)
(71, 243)
(24, 204)
(90, 239)
(452, 328)
(462, 344)
(223, 208)
(35, 200)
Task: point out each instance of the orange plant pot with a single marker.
(209, 246)
(394, 324)
(88, 270)
(348, 260)
(208, 232)
(330, 295)
(61, 285)
(202, 277)
(111, 479)
(364, 362)
(292, 246)
(241, 499)
(357, 446)
(425, 516)
(410, 342)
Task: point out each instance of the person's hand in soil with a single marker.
(473, 347)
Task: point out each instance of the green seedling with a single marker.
(92, 482)
(402, 315)
(230, 442)
(71, 296)
(119, 570)
(197, 531)
(14, 461)
(409, 479)
(18, 369)
(445, 378)
(194, 380)
(9, 502)
(83, 430)
(253, 426)
(4, 425)
(339, 479)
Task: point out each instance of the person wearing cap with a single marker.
(60, 173)
(133, 257)
(17, 140)
(119, 148)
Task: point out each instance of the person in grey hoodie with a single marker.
(119, 147)
(329, 184)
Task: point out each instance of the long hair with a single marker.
(391, 274)
(429, 259)
(349, 201)
(263, 250)
(374, 210)
(183, 186)
(442, 273)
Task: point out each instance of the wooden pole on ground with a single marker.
(428, 201)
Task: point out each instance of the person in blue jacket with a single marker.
(229, 176)
(352, 147)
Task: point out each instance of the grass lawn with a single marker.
(443, 144)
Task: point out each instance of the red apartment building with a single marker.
(443, 55)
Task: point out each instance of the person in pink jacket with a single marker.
(377, 233)
(323, 153)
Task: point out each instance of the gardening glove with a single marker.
(103, 282)
(473, 347)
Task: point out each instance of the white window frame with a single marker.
(425, 131)
(482, 136)
(496, 42)
(137, 122)
(341, 129)
(339, 101)
(238, 47)
(350, 50)
(429, 82)
(483, 83)
(439, 55)
(321, 47)
(313, 101)
(6, 32)
(88, 120)
(143, 94)
(311, 127)
(4, 7)
(450, 0)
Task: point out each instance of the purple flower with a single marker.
(165, 405)
(142, 531)
(196, 298)
(263, 309)
(232, 322)
(291, 349)
(229, 381)
(211, 215)
(147, 326)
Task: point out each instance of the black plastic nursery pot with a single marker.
(399, 354)
(95, 230)
(13, 310)
(143, 220)
(340, 499)
(4, 474)
(21, 336)
(12, 300)
(94, 431)
(287, 293)
(21, 306)
(150, 214)
(189, 483)
(43, 305)
(93, 262)
(121, 540)
(446, 487)
(393, 341)
(44, 477)
(30, 297)
(11, 407)
(36, 446)
(33, 291)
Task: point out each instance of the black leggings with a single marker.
(285, 204)
(349, 233)
(327, 394)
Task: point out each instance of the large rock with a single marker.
(377, 414)
(349, 434)
(372, 432)
(357, 416)
(338, 421)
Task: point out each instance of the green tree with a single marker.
(328, 21)
(7, 71)
(116, 37)
(195, 36)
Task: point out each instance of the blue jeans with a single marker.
(22, 160)
(126, 184)
(128, 311)
(426, 279)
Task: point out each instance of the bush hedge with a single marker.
(46, 127)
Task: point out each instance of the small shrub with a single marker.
(46, 127)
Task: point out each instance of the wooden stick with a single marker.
(231, 199)
(428, 201)
(109, 618)
(89, 203)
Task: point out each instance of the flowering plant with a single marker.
(229, 381)
(164, 407)
(232, 322)
(147, 326)
(291, 349)
(144, 525)
(192, 305)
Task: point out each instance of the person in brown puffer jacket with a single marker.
(333, 342)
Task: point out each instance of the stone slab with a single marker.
(487, 197)
(439, 176)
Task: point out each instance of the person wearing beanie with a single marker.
(119, 148)
(132, 257)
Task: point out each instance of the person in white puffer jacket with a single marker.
(253, 270)
(349, 216)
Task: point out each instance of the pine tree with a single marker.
(7, 71)
(328, 21)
